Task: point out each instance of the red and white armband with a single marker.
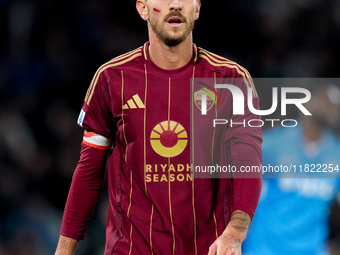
(96, 140)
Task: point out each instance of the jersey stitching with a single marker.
(112, 63)
(220, 61)
(170, 207)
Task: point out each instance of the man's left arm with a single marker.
(229, 243)
(246, 194)
(244, 148)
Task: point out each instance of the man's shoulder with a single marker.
(127, 60)
(221, 64)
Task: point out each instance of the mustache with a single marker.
(177, 14)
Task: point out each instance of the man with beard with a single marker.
(136, 115)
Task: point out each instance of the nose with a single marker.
(175, 5)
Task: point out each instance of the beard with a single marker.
(165, 36)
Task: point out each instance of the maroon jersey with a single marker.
(156, 206)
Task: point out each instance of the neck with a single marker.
(170, 57)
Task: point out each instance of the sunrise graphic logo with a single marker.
(169, 139)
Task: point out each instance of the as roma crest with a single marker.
(198, 99)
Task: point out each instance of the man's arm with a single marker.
(84, 192)
(66, 246)
(229, 243)
(246, 194)
(244, 150)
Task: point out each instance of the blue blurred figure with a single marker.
(292, 216)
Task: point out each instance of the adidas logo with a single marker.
(134, 103)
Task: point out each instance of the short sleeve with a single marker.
(96, 114)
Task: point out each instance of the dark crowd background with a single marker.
(49, 51)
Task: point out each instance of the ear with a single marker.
(198, 8)
(142, 9)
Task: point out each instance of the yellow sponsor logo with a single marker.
(168, 173)
(169, 139)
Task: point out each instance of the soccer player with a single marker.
(292, 216)
(136, 115)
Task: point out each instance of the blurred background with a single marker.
(49, 51)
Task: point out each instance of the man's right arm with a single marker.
(66, 246)
(84, 192)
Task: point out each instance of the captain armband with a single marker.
(96, 141)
